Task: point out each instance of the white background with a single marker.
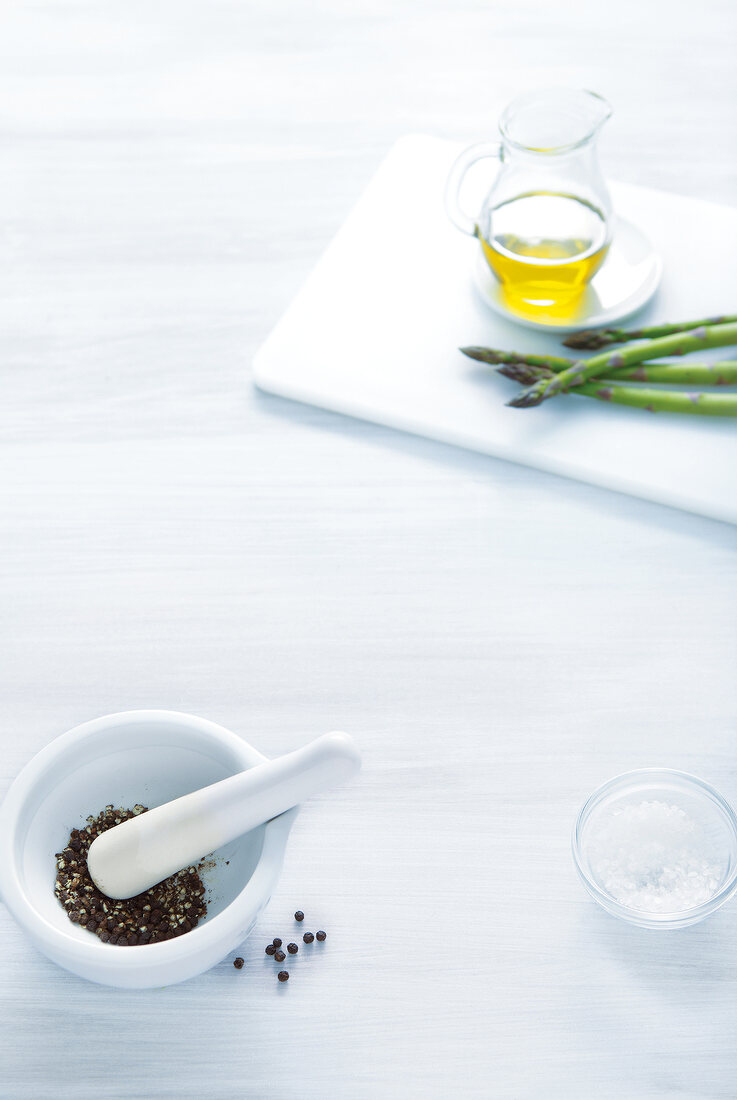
(498, 640)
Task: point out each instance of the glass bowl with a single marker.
(657, 848)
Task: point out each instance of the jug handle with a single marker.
(457, 174)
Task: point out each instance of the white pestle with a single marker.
(142, 851)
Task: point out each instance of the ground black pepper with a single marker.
(167, 910)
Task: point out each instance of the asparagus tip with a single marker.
(525, 400)
(589, 340)
(523, 373)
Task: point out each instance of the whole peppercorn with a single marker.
(308, 937)
(270, 950)
(299, 915)
(238, 963)
(280, 956)
(283, 975)
(292, 948)
(277, 941)
(321, 935)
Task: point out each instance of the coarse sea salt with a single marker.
(653, 856)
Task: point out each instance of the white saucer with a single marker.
(627, 279)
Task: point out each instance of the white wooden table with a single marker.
(499, 641)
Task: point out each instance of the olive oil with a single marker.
(544, 275)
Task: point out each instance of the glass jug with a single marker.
(545, 226)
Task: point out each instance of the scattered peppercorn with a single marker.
(280, 956)
(299, 915)
(308, 937)
(276, 941)
(169, 909)
(270, 950)
(283, 975)
(238, 963)
(321, 935)
(292, 948)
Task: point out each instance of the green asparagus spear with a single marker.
(493, 355)
(684, 374)
(593, 339)
(681, 343)
(723, 404)
(675, 401)
(681, 374)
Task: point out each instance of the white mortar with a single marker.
(137, 756)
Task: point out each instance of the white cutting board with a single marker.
(374, 333)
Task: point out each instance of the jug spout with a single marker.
(596, 109)
(554, 120)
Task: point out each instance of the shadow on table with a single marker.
(698, 958)
(604, 502)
